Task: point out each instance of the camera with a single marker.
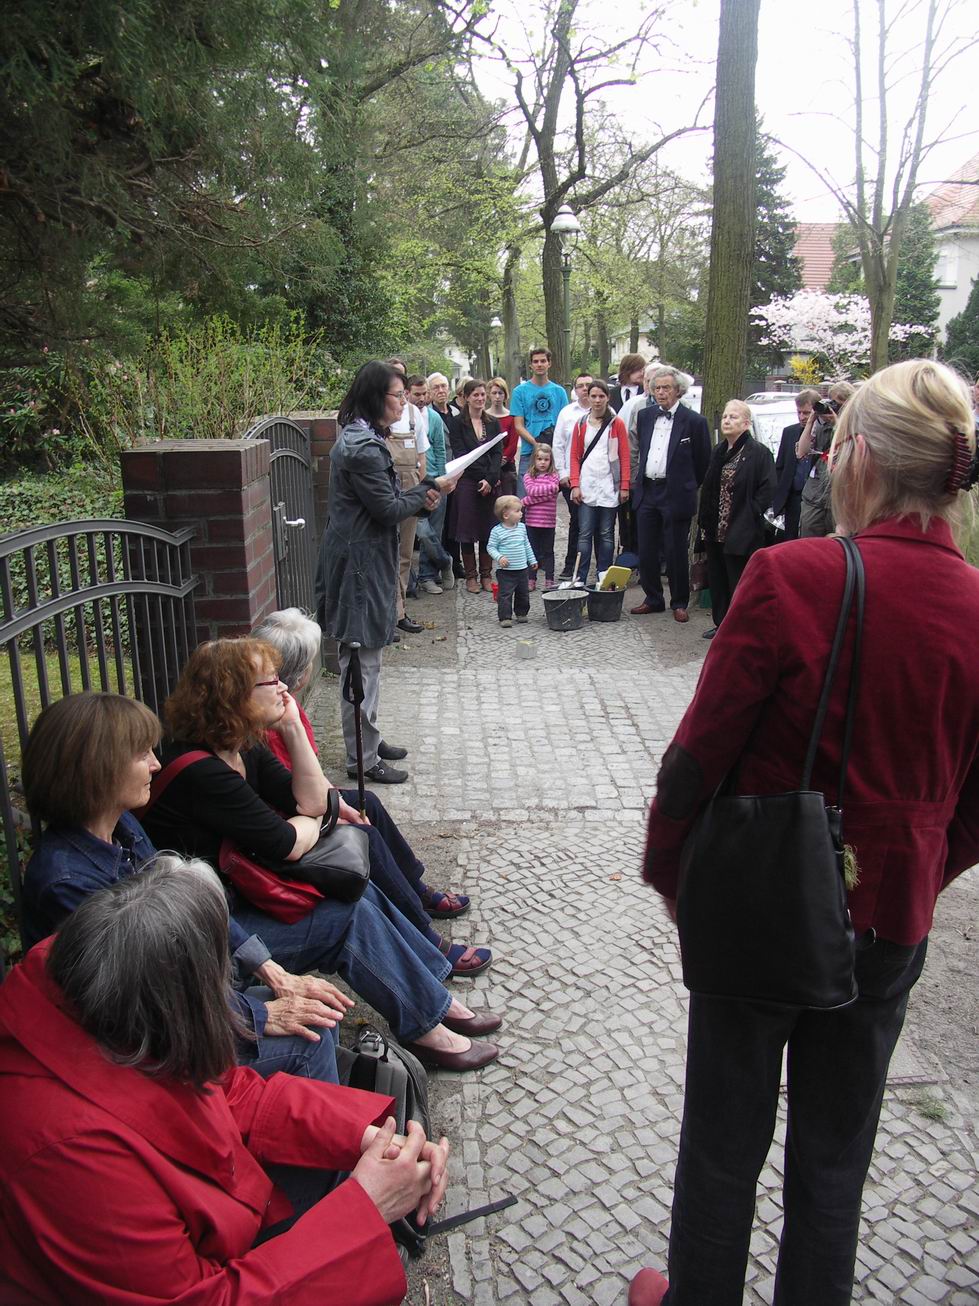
(823, 407)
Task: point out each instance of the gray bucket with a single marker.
(565, 609)
(605, 605)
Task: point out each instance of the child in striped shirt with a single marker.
(510, 546)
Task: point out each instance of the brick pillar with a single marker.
(322, 431)
(221, 489)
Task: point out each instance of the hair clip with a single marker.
(961, 462)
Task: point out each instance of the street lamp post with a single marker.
(567, 228)
(495, 325)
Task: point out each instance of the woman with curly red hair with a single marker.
(228, 696)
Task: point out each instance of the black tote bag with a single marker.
(761, 900)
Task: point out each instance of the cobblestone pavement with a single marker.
(580, 1117)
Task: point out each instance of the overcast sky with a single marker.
(804, 85)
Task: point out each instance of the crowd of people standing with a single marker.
(173, 1128)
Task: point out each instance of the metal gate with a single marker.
(101, 604)
(293, 515)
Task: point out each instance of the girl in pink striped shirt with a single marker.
(540, 501)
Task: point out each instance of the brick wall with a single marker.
(322, 431)
(221, 489)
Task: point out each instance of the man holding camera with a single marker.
(816, 517)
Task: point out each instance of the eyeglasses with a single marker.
(264, 684)
(396, 394)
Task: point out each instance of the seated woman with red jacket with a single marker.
(134, 1154)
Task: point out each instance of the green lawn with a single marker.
(32, 690)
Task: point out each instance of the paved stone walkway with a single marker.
(538, 761)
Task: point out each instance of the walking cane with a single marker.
(353, 692)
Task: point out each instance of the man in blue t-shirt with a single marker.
(535, 405)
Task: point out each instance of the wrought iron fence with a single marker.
(100, 604)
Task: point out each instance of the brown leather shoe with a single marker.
(480, 1022)
(680, 614)
(642, 609)
(474, 1058)
(487, 584)
(472, 585)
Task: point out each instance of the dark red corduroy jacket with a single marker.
(911, 810)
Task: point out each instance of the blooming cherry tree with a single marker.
(836, 327)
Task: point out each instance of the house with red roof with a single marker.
(814, 246)
(954, 207)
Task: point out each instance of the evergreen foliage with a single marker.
(962, 335)
(776, 271)
(916, 298)
(846, 277)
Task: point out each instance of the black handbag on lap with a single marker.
(338, 864)
(761, 900)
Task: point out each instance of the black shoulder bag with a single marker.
(761, 900)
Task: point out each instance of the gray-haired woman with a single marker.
(395, 869)
(135, 1155)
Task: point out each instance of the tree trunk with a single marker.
(512, 361)
(604, 353)
(634, 336)
(554, 308)
(661, 341)
(733, 224)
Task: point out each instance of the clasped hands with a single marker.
(402, 1172)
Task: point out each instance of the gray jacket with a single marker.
(816, 514)
(357, 575)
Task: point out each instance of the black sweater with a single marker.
(209, 802)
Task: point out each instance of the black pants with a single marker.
(660, 535)
(837, 1068)
(793, 507)
(542, 542)
(628, 542)
(513, 595)
(572, 531)
(723, 573)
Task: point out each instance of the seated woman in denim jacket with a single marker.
(89, 760)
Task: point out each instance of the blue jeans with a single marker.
(395, 869)
(837, 1068)
(432, 557)
(522, 465)
(290, 1053)
(596, 524)
(369, 943)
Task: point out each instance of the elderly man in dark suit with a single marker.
(790, 471)
(674, 451)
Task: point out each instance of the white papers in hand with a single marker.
(456, 466)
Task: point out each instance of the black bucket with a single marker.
(565, 609)
(605, 605)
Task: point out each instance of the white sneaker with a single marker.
(448, 578)
(430, 587)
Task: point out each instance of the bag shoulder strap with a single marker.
(163, 779)
(854, 582)
(601, 431)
